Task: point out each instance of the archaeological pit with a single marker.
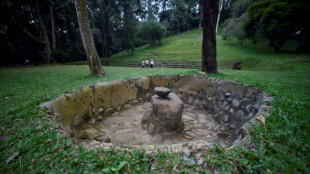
(170, 113)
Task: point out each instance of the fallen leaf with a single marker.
(261, 119)
(49, 140)
(12, 157)
(208, 136)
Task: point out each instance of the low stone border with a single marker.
(234, 105)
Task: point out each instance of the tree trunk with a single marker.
(149, 10)
(219, 14)
(53, 32)
(88, 40)
(48, 51)
(200, 14)
(13, 28)
(105, 36)
(209, 8)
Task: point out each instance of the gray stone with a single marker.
(227, 108)
(123, 131)
(224, 134)
(248, 92)
(77, 120)
(92, 121)
(200, 161)
(87, 133)
(202, 117)
(100, 110)
(127, 106)
(152, 129)
(186, 158)
(100, 118)
(167, 142)
(161, 91)
(198, 155)
(167, 112)
(146, 116)
(190, 135)
(239, 116)
(248, 108)
(229, 99)
(227, 94)
(190, 99)
(245, 100)
(115, 114)
(237, 65)
(250, 115)
(225, 118)
(108, 111)
(196, 102)
(204, 102)
(232, 126)
(157, 139)
(221, 97)
(231, 111)
(134, 102)
(222, 128)
(210, 125)
(119, 108)
(193, 93)
(256, 107)
(235, 103)
(103, 138)
(147, 96)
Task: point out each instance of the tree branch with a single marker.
(63, 5)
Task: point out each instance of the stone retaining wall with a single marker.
(233, 104)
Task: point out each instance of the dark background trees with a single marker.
(280, 20)
(48, 31)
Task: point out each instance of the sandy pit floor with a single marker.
(125, 128)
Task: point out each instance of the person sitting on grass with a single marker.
(147, 62)
(143, 63)
(152, 63)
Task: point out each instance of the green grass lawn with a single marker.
(283, 146)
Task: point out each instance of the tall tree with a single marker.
(88, 40)
(48, 50)
(178, 18)
(219, 14)
(127, 33)
(279, 20)
(209, 64)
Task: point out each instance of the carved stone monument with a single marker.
(166, 113)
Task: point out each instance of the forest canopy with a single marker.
(48, 31)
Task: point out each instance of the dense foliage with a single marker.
(280, 20)
(48, 31)
(150, 32)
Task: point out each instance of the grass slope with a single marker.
(283, 146)
(187, 46)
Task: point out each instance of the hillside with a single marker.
(187, 46)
